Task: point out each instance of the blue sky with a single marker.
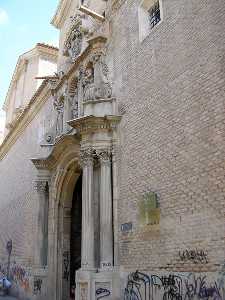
(23, 23)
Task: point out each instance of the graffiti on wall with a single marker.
(102, 290)
(195, 256)
(37, 285)
(66, 264)
(102, 293)
(18, 274)
(141, 286)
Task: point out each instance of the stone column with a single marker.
(41, 188)
(87, 256)
(106, 230)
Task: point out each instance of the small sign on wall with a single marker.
(126, 227)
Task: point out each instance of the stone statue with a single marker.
(58, 104)
(95, 81)
(88, 84)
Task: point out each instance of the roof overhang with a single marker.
(61, 13)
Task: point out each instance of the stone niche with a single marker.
(97, 89)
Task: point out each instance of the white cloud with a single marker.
(4, 18)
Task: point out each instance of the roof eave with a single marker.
(59, 15)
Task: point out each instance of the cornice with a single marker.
(91, 124)
(60, 14)
(39, 98)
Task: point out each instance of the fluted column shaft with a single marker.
(88, 258)
(41, 188)
(106, 230)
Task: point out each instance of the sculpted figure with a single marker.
(103, 86)
(75, 105)
(59, 107)
(88, 84)
(96, 83)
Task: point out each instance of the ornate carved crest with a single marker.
(73, 43)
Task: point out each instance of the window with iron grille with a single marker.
(154, 15)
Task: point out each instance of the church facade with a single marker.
(112, 164)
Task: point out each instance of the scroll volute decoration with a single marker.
(96, 84)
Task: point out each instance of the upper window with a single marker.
(154, 14)
(150, 14)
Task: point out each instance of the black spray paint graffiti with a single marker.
(198, 287)
(196, 256)
(66, 264)
(141, 286)
(102, 293)
(37, 286)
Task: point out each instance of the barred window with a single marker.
(154, 14)
(150, 14)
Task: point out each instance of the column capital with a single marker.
(104, 155)
(87, 156)
(40, 186)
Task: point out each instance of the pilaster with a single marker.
(106, 230)
(41, 186)
(88, 257)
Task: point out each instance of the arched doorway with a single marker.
(70, 230)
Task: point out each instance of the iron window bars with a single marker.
(154, 15)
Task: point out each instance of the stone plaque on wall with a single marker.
(149, 211)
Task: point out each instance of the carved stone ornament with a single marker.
(73, 43)
(96, 84)
(104, 155)
(87, 156)
(73, 98)
(58, 104)
(40, 186)
(88, 84)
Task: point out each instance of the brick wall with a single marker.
(170, 88)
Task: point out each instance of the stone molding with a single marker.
(91, 124)
(50, 162)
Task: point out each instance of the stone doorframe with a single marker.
(60, 169)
